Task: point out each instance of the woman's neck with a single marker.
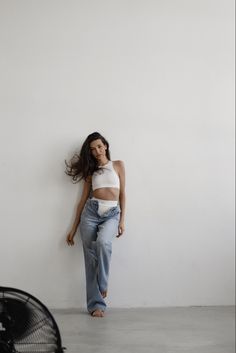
(103, 162)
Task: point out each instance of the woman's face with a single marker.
(98, 149)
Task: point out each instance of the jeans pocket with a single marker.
(84, 210)
(117, 214)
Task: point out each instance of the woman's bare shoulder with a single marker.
(119, 166)
(119, 163)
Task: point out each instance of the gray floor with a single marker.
(157, 330)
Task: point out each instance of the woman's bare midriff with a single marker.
(107, 193)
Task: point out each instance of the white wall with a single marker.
(156, 78)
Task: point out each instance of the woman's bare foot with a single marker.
(104, 294)
(98, 313)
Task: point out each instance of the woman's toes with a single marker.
(97, 313)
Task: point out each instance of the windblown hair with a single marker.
(84, 164)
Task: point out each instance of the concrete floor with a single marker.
(149, 330)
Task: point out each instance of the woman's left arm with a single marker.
(122, 198)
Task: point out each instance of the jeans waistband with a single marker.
(111, 203)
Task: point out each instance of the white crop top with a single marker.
(105, 177)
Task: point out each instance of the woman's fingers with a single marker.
(120, 230)
(70, 239)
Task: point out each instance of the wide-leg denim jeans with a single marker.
(97, 233)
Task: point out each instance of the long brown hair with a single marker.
(84, 164)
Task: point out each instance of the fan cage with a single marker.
(41, 333)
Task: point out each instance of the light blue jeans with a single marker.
(97, 233)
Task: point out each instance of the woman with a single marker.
(99, 217)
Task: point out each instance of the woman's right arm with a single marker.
(84, 197)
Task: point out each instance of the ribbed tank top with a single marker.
(106, 176)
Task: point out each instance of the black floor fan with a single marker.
(26, 325)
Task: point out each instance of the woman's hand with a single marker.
(121, 228)
(70, 238)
